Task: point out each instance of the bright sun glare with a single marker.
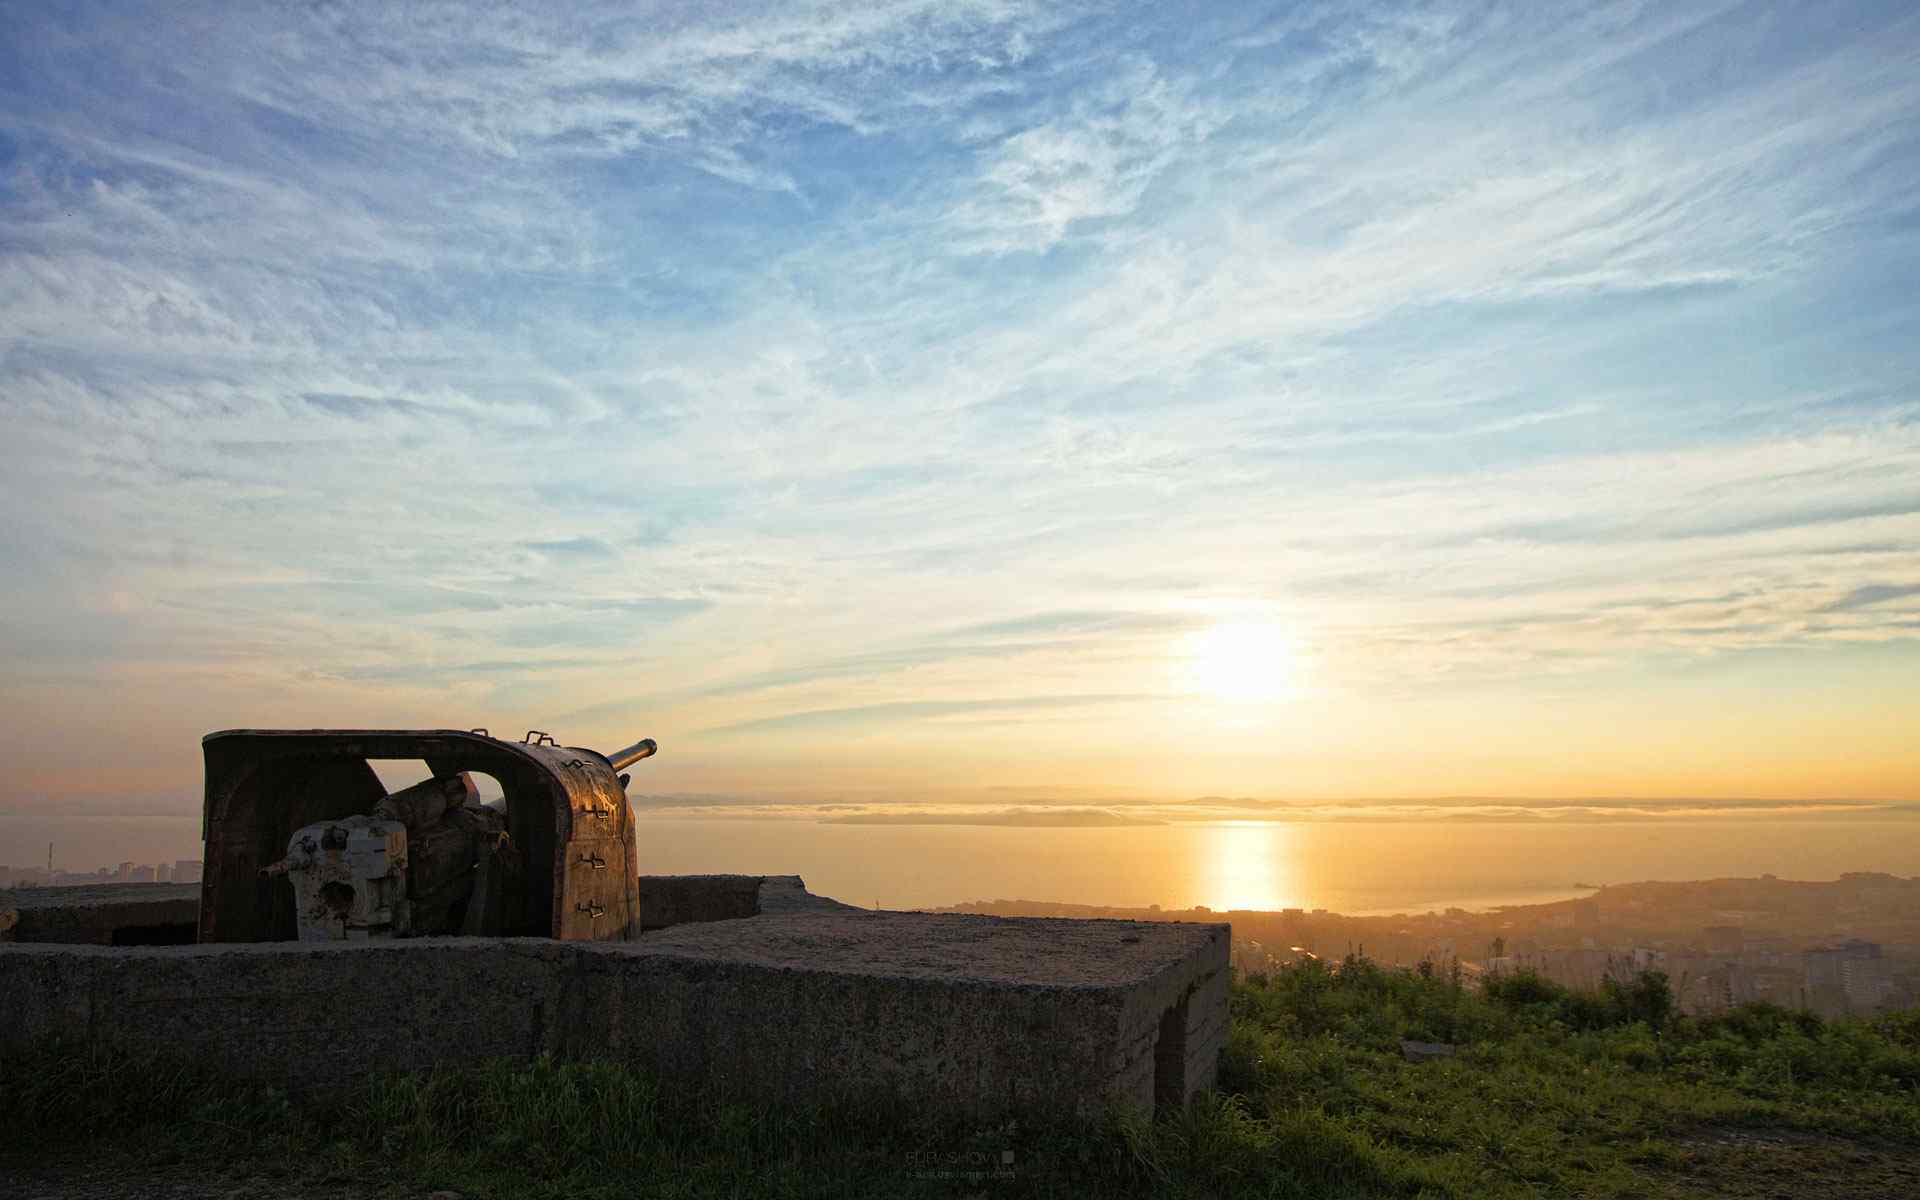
(1245, 662)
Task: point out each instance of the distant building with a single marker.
(1715, 990)
(1827, 973)
(1763, 947)
(1783, 986)
(1825, 963)
(163, 873)
(1867, 984)
(1728, 940)
(141, 874)
(123, 873)
(187, 870)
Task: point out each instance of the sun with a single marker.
(1245, 662)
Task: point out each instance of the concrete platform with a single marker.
(966, 1013)
(808, 1001)
(668, 900)
(142, 914)
(106, 914)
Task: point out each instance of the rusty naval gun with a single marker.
(304, 842)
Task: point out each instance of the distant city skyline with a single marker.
(183, 870)
(1261, 400)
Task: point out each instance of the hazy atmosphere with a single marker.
(914, 599)
(1019, 406)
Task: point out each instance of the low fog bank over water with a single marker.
(1354, 868)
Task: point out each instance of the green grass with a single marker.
(1559, 1092)
(1553, 1092)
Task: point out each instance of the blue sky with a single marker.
(837, 391)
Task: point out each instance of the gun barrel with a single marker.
(622, 759)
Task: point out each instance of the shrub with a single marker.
(1645, 998)
(1522, 988)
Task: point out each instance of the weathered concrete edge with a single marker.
(96, 914)
(791, 1034)
(670, 900)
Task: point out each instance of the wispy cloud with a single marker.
(590, 547)
(868, 368)
(1093, 162)
(915, 710)
(1870, 594)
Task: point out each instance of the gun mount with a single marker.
(304, 841)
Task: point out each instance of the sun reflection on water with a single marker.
(1249, 865)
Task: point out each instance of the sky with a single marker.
(973, 397)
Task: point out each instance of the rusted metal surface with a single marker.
(567, 816)
(349, 879)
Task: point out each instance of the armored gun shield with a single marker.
(564, 869)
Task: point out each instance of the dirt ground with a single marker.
(120, 1179)
(1747, 1164)
(1724, 1164)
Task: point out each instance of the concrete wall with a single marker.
(957, 1015)
(793, 1036)
(1173, 1027)
(292, 1013)
(166, 914)
(669, 900)
(107, 914)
